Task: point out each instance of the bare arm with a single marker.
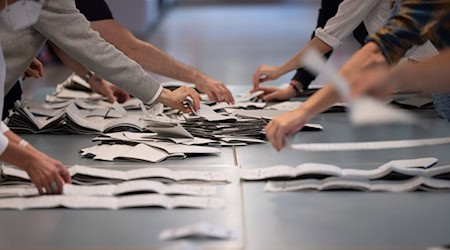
(154, 60)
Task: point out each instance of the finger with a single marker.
(40, 68)
(196, 98)
(39, 187)
(256, 79)
(280, 138)
(213, 96)
(60, 184)
(227, 94)
(64, 173)
(47, 187)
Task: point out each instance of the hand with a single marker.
(35, 70)
(277, 94)
(48, 174)
(265, 73)
(109, 90)
(175, 99)
(373, 82)
(283, 126)
(216, 91)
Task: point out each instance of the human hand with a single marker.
(283, 126)
(277, 94)
(265, 73)
(175, 99)
(35, 70)
(109, 90)
(47, 174)
(216, 91)
(373, 82)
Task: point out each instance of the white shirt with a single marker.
(3, 128)
(374, 14)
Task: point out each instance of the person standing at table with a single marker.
(47, 174)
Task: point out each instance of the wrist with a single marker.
(164, 97)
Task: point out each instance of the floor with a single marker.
(227, 42)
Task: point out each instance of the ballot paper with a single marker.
(361, 108)
(209, 114)
(317, 170)
(201, 229)
(111, 202)
(246, 97)
(171, 130)
(223, 105)
(126, 187)
(371, 145)
(342, 183)
(89, 173)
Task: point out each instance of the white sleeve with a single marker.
(4, 128)
(350, 14)
(3, 143)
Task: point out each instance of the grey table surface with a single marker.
(346, 220)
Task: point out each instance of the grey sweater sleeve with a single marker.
(62, 23)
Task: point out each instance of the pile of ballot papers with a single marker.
(101, 188)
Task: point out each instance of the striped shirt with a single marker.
(374, 14)
(413, 23)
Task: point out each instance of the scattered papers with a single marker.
(246, 97)
(198, 230)
(107, 202)
(209, 114)
(374, 145)
(316, 170)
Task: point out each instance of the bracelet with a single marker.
(298, 91)
(23, 143)
(88, 76)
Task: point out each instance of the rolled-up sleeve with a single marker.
(350, 14)
(413, 23)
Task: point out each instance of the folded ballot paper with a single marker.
(201, 229)
(342, 183)
(126, 187)
(111, 202)
(95, 176)
(398, 168)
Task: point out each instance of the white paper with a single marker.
(371, 145)
(201, 229)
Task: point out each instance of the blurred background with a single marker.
(226, 39)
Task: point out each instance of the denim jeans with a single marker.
(442, 105)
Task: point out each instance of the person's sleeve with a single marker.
(350, 14)
(94, 10)
(3, 128)
(63, 24)
(3, 139)
(413, 23)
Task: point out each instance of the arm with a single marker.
(98, 84)
(413, 23)
(408, 77)
(43, 170)
(350, 14)
(291, 122)
(154, 60)
(63, 25)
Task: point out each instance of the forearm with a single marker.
(15, 139)
(18, 156)
(69, 61)
(431, 76)
(319, 102)
(154, 60)
(295, 61)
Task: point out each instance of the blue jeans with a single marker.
(442, 105)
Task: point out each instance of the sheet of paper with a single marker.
(209, 114)
(201, 229)
(174, 131)
(372, 145)
(144, 152)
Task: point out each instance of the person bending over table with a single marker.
(47, 174)
(390, 42)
